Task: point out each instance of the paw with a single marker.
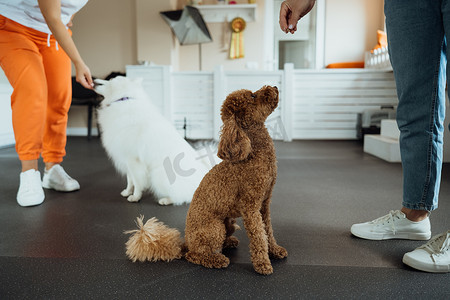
(231, 242)
(278, 252)
(264, 268)
(134, 198)
(126, 193)
(216, 260)
(165, 201)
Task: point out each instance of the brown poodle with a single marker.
(240, 186)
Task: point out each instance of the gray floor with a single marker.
(72, 246)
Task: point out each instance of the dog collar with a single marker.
(122, 99)
(119, 100)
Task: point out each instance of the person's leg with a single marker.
(434, 256)
(22, 64)
(58, 74)
(416, 40)
(446, 22)
(29, 165)
(416, 46)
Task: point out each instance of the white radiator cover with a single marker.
(314, 104)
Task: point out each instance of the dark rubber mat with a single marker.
(73, 245)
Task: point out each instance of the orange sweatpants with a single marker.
(40, 75)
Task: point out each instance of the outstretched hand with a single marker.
(84, 77)
(292, 11)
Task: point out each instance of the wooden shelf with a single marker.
(226, 12)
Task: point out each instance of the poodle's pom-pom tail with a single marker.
(153, 241)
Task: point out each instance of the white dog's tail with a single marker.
(153, 241)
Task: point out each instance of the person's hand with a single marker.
(292, 11)
(83, 76)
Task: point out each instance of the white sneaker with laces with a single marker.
(394, 225)
(30, 189)
(57, 179)
(433, 257)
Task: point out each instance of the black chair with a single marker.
(83, 96)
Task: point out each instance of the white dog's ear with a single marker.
(99, 86)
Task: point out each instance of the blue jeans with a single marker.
(416, 32)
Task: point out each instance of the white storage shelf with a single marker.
(225, 13)
(314, 104)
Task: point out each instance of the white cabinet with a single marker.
(6, 130)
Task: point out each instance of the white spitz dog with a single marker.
(145, 146)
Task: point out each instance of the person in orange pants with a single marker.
(36, 50)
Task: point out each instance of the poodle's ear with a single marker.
(234, 144)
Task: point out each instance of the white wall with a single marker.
(105, 34)
(216, 53)
(351, 28)
(113, 33)
(155, 42)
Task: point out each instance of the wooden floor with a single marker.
(73, 246)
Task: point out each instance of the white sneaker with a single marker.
(30, 189)
(434, 256)
(57, 179)
(394, 225)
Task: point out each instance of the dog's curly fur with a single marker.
(153, 241)
(240, 186)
